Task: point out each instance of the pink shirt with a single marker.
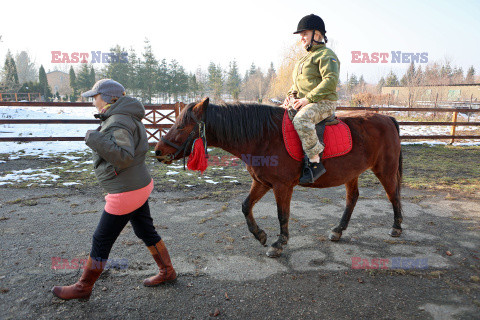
(127, 202)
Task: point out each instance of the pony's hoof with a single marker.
(334, 236)
(274, 252)
(395, 232)
(262, 237)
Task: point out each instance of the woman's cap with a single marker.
(107, 88)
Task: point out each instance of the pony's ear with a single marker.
(200, 107)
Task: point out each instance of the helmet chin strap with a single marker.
(309, 47)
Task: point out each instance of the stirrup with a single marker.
(311, 172)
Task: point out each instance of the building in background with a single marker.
(59, 82)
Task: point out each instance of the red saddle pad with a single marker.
(337, 139)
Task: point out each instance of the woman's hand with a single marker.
(299, 103)
(286, 102)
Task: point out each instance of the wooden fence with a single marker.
(15, 96)
(168, 112)
(153, 116)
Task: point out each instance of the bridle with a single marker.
(201, 134)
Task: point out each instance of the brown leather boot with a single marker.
(83, 288)
(167, 273)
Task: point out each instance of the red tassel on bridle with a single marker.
(198, 160)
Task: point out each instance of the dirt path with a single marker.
(223, 270)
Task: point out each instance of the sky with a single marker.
(196, 33)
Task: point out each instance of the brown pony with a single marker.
(247, 130)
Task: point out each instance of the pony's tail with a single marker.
(400, 162)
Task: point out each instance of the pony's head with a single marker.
(177, 143)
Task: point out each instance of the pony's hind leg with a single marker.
(257, 191)
(351, 199)
(392, 184)
(283, 196)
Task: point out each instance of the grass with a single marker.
(437, 168)
(446, 168)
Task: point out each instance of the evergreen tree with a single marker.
(30, 87)
(233, 80)
(193, 86)
(178, 79)
(391, 80)
(352, 83)
(410, 75)
(380, 85)
(215, 80)
(45, 90)
(83, 79)
(73, 85)
(133, 73)
(148, 74)
(270, 77)
(119, 68)
(457, 76)
(92, 77)
(253, 70)
(10, 75)
(419, 76)
(470, 77)
(446, 73)
(164, 79)
(362, 83)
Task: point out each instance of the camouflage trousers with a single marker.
(305, 121)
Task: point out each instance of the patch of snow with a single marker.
(175, 167)
(70, 183)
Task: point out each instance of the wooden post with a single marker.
(16, 98)
(1, 98)
(471, 100)
(177, 110)
(454, 125)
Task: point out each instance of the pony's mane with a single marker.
(240, 122)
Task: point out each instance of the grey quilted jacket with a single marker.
(119, 147)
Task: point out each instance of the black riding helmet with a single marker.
(312, 22)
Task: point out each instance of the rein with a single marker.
(201, 134)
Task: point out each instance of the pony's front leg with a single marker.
(283, 195)
(257, 191)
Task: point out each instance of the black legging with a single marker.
(110, 226)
